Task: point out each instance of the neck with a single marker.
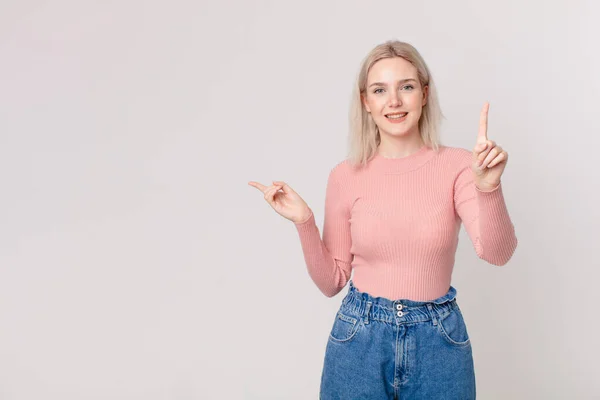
(398, 147)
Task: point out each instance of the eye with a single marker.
(376, 90)
(410, 87)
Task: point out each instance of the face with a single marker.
(394, 97)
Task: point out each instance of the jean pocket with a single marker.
(344, 328)
(453, 328)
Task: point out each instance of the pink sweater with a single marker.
(396, 224)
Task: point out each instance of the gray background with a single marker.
(136, 262)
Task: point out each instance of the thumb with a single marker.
(284, 186)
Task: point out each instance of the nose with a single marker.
(394, 99)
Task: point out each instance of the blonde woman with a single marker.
(393, 211)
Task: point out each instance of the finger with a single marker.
(478, 149)
(500, 158)
(269, 189)
(268, 197)
(490, 157)
(257, 185)
(270, 193)
(490, 144)
(284, 186)
(483, 123)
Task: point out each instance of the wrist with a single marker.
(304, 218)
(487, 188)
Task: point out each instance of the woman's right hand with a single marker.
(286, 203)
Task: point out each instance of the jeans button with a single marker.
(400, 313)
(399, 306)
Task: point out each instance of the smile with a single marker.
(396, 117)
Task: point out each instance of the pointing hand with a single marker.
(284, 200)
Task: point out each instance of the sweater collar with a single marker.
(407, 163)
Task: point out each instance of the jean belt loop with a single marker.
(367, 311)
(432, 313)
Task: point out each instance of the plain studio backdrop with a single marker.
(136, 262)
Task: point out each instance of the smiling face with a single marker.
(394, 97)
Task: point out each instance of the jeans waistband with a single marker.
(398, 311)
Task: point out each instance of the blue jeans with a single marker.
(398, 349)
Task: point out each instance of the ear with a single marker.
(364, 101)
(425, 94)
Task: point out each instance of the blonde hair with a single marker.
(364, 135)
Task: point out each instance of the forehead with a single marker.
(391, 69)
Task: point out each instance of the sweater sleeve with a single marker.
(329, 259)
(486, 219)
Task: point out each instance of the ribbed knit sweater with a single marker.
(396, 221)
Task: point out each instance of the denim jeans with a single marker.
(398, 349)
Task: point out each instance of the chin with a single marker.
(400, 131)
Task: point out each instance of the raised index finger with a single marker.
(483, 122)
(257, 185)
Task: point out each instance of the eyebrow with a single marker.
(400, 81)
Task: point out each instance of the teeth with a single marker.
(396, 116)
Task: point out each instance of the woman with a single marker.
(393, 211)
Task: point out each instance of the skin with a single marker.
(393, 86)
(489, 159)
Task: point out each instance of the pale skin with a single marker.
(488, 159)
(393, 88)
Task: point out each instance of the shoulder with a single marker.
(343, 176)
(341, 170)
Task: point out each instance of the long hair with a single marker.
(364, 135)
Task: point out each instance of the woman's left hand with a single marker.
(489, 160)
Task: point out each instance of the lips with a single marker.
(396, 117)
(392, 115)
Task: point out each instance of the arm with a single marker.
(329, 259)
(486, 219)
